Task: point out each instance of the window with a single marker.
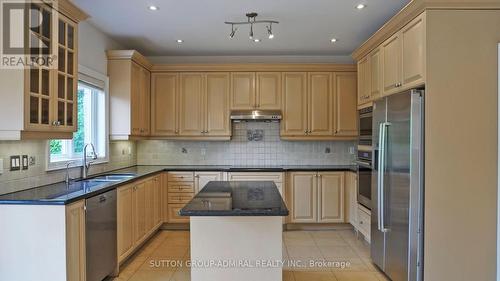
(91, 126)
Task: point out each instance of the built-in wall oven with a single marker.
(364, 162)
(365, 125)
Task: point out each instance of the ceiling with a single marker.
(305, 28)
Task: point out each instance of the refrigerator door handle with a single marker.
(379, 176)
(383, 145)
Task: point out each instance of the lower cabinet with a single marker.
(276, 177)
(138, 214)
(75, 241)
(181, 189)
(202, 178)
(351, 198)
(317, 197)
(363, 222)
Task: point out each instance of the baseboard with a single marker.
(318, 226)
(175, 226)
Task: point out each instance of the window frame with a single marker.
(53, 166)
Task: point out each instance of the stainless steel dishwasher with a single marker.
(100, 227)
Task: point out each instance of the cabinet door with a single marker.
(346, 115)
(149, 207)
(375, 74)
(173, 214)
(413, 44)
(352, 195)
(125, 220)
(202, 178)
(320, 104)
(217, 120)
(363, 81)
(164, 94)
(75, 241)
(39, 99)
(135, 99)
(391, 66)
(157, 201)
(294, 102)
(243, 90)
(268, 90)
(331, 197)
(144, 100)
(304, 196)
(191, 111)
(139, 212)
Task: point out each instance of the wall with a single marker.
(92, 46)
(241, 152)
(461, 145)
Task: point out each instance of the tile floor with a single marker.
(309, 256)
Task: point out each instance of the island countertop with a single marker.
(237, 198)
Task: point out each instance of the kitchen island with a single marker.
(236, 231)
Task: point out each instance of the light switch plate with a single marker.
(15, 163)
(24, 162)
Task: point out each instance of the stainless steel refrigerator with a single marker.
(398, 185)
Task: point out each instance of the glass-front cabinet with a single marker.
(50, 88)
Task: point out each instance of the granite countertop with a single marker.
(237, 198)
(61, 194)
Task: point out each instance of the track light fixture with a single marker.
(251, 20)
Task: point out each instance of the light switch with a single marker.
(25, 162)
(15, 163)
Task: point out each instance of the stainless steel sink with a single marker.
(111, 178)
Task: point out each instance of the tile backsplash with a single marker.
(246, 149)
(36, 175)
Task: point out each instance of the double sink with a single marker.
(109, 178)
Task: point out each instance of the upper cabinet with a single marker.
(255, 90)
(396, 65)
(188, 105)
(129, 91)
(46, 91)
(319, 105)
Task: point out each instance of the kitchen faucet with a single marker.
(86, 165)
(67, 179)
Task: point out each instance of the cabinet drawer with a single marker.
(181, 187)
(256, 176)
(364, 221)
(180, 176)
(173, 214)
(179, 198)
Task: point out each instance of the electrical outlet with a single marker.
(184, 150)
(24, 162)
(328, 150)
(15, 163)
(351, 150)
(203, 151)
(32, 160)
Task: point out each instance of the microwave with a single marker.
(365, 126)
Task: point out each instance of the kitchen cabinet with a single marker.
(317, 197)
(295, 109)
(255, 90)
(320, 104)
(345, 113)
(191, 113)
(363, 217)
(403, 58)
(181, 189)
(375, 73)
(276, 177)
(202, 178)
(364, 80)
(129, 95)
(331, 197)
(191, 105)
(138, 214)
(164, 98)
(351, 198)
(242, 90)
(268, 90)
(75, 241)
(46, 93)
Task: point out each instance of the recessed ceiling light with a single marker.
(179, 41)
(256, 40)
(333, 40)
(153, 8)
(360, 6)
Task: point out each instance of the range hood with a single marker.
(256, 115)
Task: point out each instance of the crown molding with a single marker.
(282, 67)
(129, 55)
(70, 10)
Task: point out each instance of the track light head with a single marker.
(233, 31)
(270, 31)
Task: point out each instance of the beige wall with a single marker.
(461, 145)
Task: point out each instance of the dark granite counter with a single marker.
(61, 194)
(237, 198)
